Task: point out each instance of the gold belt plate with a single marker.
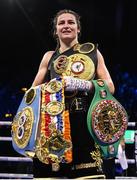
(53, 86)
(60, 64)
(54, 108)
(80, 66)
(22, 127)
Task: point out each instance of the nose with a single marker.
(66, 25)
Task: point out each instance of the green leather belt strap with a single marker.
(107, 119)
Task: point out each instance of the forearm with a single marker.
(72, 84)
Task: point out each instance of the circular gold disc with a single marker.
(54, 108)
(54, 86)
(80, 66)
(21, 133)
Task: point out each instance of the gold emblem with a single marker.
(30, 95)
(52, 149)
(80, 66)
(54, 108)
(53, 86)
(109, 121)
(22, 127)
(84, 48)
(60, 64)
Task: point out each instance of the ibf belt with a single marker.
(54, 141)
(25, 123)
(107, 119)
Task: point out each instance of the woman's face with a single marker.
(67, 27)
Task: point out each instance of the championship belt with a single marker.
(25, 123)
(107, 119)
(53, 145)
(79, 64)
(41, 126)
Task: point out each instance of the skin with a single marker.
(67, 32)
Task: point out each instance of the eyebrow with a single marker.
(71, 20)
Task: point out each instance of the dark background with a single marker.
(26, 34)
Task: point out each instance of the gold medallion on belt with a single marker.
(60, 64)
(77, 65)
(80, 66)
(52, 148)
(53, 86)
(53, 108)
(22, 127)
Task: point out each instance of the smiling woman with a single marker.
(73, 65)
(64, 87)
(67, 30)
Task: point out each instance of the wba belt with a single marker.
(107, 119)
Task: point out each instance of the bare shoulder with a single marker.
(48, 54)
(99, 55)
(46, 57)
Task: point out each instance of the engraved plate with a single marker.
(54, 108)
(109, 121)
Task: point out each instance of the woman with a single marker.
(87, 63)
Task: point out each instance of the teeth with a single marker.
(66, 31)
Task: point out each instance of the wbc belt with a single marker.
(107, 119)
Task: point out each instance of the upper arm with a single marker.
(103, 73)
(39, 79)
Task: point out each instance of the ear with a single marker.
(55, 33)
(78, 31)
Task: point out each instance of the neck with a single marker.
(65, 46)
